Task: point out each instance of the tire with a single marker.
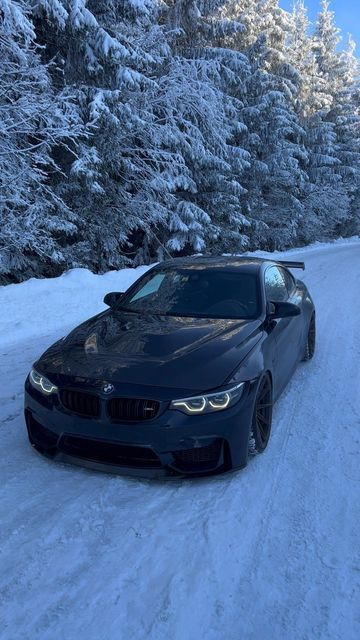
(262, 417)
(310, 340)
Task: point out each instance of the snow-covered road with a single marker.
(271, 552)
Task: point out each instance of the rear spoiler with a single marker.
(292, 265)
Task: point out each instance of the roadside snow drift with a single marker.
(271, 552)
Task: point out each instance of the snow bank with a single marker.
(51, 306)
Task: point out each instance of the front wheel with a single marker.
(310, 340)
(262, 417)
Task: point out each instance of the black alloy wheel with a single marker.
(310, 341)
(262, 417)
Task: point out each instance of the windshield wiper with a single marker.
(174, 314)
(126, 309)
(143, 312)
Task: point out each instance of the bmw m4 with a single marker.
(179, 375)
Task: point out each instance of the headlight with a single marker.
(41, 383)
(209, 402)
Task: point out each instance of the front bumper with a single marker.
(172, 444)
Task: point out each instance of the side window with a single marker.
(275, 286)
(289, 280)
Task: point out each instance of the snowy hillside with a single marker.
(270, 552)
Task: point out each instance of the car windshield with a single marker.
(194, 292)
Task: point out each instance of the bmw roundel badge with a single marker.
(107, 388)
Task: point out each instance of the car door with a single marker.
(286, 332)
(296, 296)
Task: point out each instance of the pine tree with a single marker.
(217, 162)
(346, 118)
(35, 123)
(320, 140)
(338, 74)
(326, 40)
(112, 52)
(276, 179)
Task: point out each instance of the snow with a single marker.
(268, 552)
(39, 308)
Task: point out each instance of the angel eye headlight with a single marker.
(41, 383)
(221, 401)
(190, 405)
(210, 402)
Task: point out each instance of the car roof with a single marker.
(245, 263)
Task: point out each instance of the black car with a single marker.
(179, 375)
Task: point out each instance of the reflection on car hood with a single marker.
(161, 351)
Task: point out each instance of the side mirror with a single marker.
(111, 299)
(283, 310)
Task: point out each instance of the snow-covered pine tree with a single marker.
(34, 124)
(353, 226)
(338, 73)
(301, 55)
(320, 142)
(191, 114)
(216, 157)
(153, 117)
(325, 42)
(110, 52)
(345, 115)
(276, 180)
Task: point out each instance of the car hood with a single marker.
(152, 350)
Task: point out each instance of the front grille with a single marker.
(199, 458)
(132, 409)
(39, 435)
(109, 452)
(84, 404)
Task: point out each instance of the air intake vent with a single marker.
(199, 458)
(38, 434)
(132, 409)
(109, 452)
(84, 404)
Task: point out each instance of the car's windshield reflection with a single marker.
(210, 293)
